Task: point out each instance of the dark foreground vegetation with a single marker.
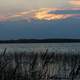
(41, 41)
(39, 66)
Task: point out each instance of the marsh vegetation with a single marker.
(39, 66)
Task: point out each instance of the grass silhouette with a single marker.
(39, 66)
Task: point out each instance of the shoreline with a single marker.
(40, 41)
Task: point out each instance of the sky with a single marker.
(39, 19)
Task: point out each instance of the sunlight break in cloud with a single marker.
(42, 14)
(45, 15)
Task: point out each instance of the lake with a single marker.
(41, 47)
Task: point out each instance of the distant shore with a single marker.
(41, 41)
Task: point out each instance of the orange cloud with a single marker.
(75, 2)
(45, 15)
(40, 14)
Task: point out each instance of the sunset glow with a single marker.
(75, 2)
(44, 15)
(20, 19)
(39, 12)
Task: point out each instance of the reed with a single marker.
(39, 66)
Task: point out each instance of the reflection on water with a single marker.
(41, 47)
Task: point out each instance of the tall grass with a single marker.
(39, 66)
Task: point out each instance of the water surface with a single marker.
(39, 47)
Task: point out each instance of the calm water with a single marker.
(41, 47)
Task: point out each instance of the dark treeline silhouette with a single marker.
(41, 41)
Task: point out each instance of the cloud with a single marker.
(75, 2)
(44, 14)
(40, 14)
(37, 14)
(3, 18)
(66, 12)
